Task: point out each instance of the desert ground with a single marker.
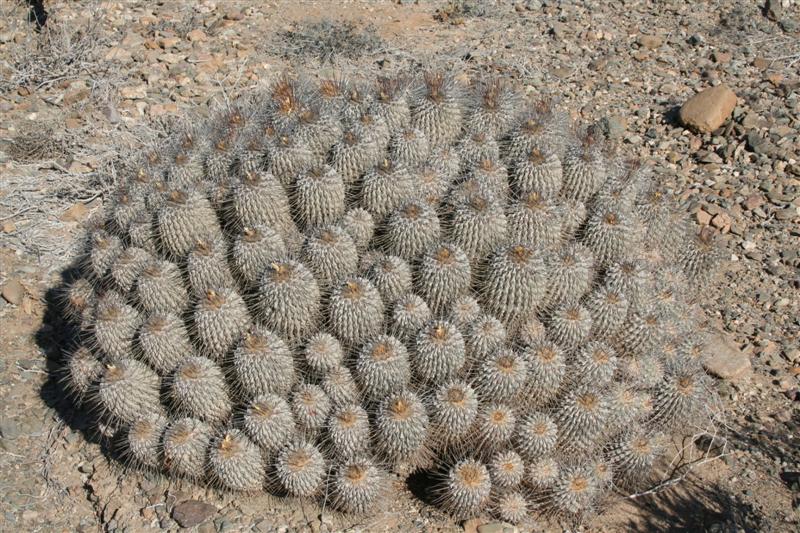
(95, 81)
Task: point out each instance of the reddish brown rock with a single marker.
(703, 218)
(709, 109)
(190, 513)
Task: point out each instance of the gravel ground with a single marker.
(101, 78)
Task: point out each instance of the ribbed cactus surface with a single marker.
(340, 280)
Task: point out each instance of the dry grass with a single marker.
(37, 142)
(62, 50)
(327, 40)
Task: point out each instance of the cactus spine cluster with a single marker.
(336, 280)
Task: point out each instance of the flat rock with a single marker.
(9, 429)
(135, 92)
(13, 291)
(497, 527)
(707, 110)
(724, 360)
(190, 513)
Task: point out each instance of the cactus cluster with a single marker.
(337, 281)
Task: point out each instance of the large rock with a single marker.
(190, 513)
(708, 110)
(724, 360)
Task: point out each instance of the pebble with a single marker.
(788, 213)
(197, 35)
(756, 144)
(708, 110)
(9, 429)
(13, 291)
(613, 127)
(190, 513)
(651, 42)
(135, 92)
(703, 218)
(753, 201)
(207, 527)
(773, 9)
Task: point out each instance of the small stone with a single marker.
(190, 513)
(761, 63)
(131, 40)
(753, 201)
(786, 384)
(197, 35)
(724, 360)
(707, 110)
(787, 213)
(612, 127)
(9, 429)
(756, 144)
(170, 58)
(775, 78)
(696, 40)
(599, 64)
(703, 218)
(651, 42)
(168, 42)
(561, 72)
(157, 110)
(234, 15)
(752, 120)
(721, 57)
(135, 92)
(558, 30)
(773, 9)
(9, 227)
(721, 221)
(493, 527)
(76, 213)
(13, 291)
(748, 245)
(207, 527)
